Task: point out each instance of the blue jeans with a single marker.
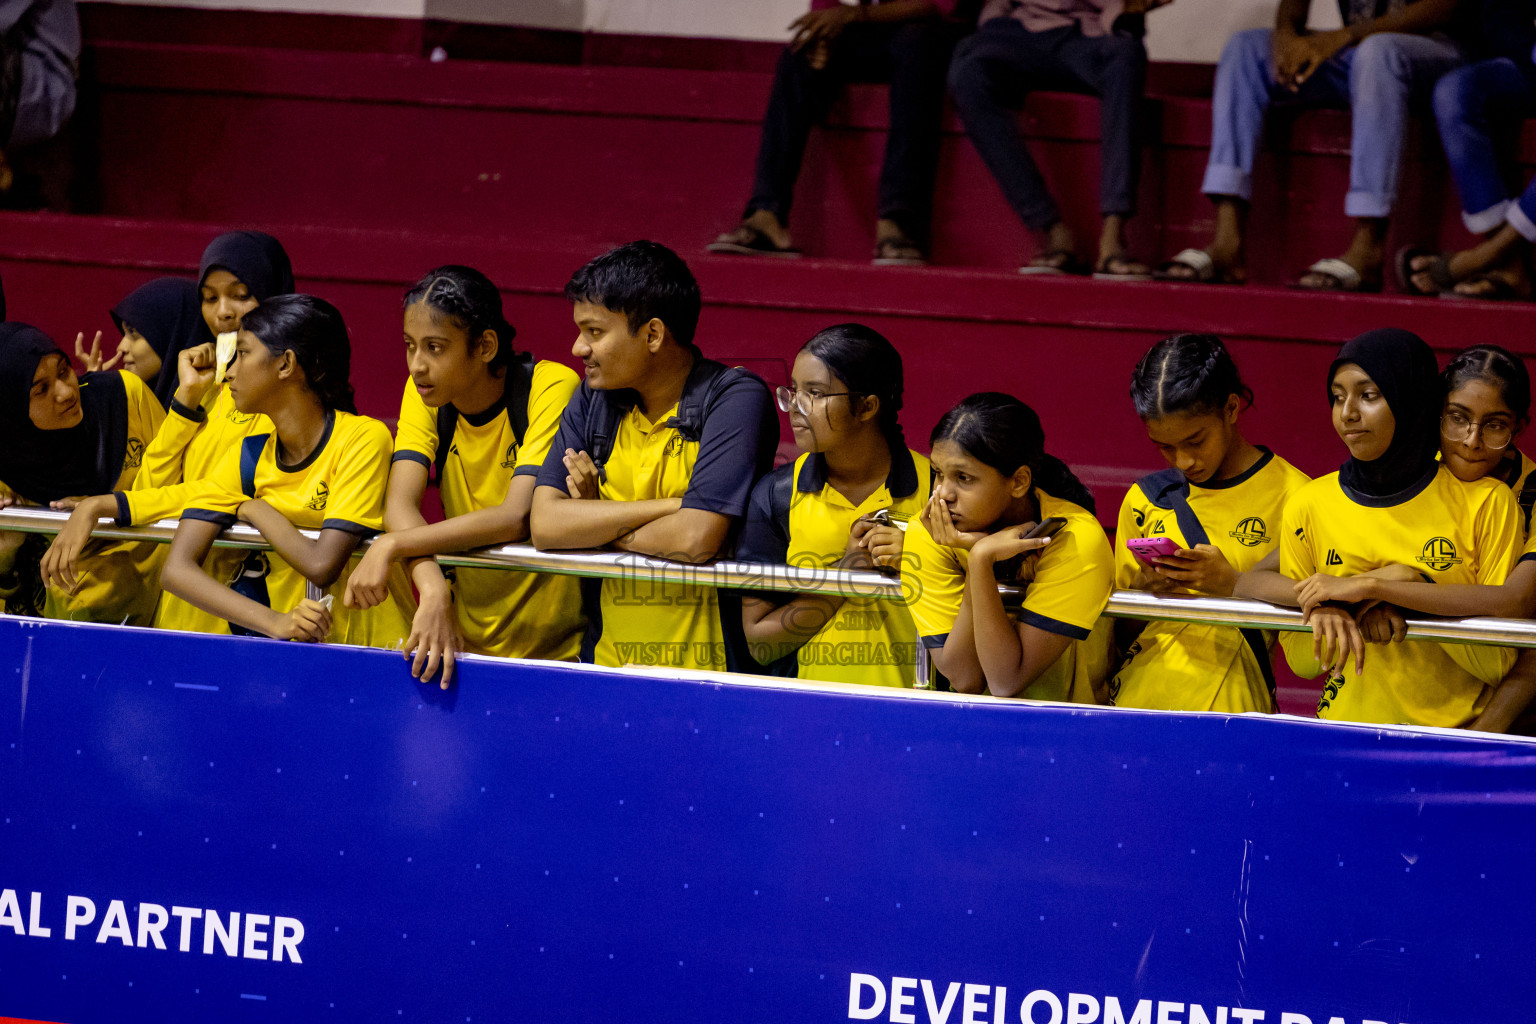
(1479, 108)
(1378, 81)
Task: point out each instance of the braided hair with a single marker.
(471, 302)
(1186, 373)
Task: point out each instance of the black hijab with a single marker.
(168, 313)
(257, 259)
(45, 465)
(1404, 367)
(2, 303)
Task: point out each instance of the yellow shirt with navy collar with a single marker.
(1178, 666)
(500, 612)
(184, 454)
(867, 640)
(1450, 531)
(641, 621)
(1073, 580)
(119, 580)
(339, 486)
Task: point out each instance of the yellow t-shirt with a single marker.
(1178, 666)
(501, 612)
(1073, 580)
(120, 580)
(339, 486)
(183, 455)
(635, 620)
(867, 640)
(1451, 532)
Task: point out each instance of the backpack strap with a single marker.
(250, 454)
(518, 388)
(781, 495)
(1169, 489)
(1527, 499)
(447, 422)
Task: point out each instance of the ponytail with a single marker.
(1000, 431)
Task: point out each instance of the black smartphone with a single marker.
(1049, 527)
(1007, 571)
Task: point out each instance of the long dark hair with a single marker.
(469, 299)
(1499, 367)
(1004, 433)
(867, 364)
(312, 329)
(1186, 373)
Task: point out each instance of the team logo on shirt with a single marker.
(674, 447)
(317, 500)
(1140, 515)
(1439, 554)
(509, 459)
(1333, 558)
(134, 455)
(1159, 528)
(1250, 532)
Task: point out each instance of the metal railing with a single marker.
(596, 564)
(1125, 604)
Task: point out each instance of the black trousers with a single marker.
(998, 66)
(913, 57)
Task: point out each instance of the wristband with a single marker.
(196, 415)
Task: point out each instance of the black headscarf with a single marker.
(257, 259)
(2, 303)
(168, 313)
(1403, 366)
(45, 465)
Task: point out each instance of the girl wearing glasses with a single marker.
(815, 514)
(993, 482)
(1220, 501)
(1487, 406)
(1393, 503)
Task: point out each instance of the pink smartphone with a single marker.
(1150, 548)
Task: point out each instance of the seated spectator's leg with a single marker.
(920, 52)
(800, 98)
(1387, 73)
(10, 95)
(1474, 106)
(1245, 84)
(1505, 254)
(988, 79)
(1115, 68)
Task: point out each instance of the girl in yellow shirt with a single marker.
(202, 425)
(483, 417)
(68, 436)
(1220, 501)
(1487, 407)
(993, 484)
(322, 467)
(814, 513)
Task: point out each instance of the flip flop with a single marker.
(1055, 263)
(1439, 271)
(898, 252)
(746, 240)
(1199, 262)
(1345, 277)
(1129, 269)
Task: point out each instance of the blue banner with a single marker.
(207, 829)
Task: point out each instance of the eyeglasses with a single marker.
(792, 398)
(1455, 425)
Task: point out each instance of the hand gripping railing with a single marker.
(600, 564)
(1125, 604)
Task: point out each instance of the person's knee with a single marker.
(1381, 58)
(968, 78)
(1249, 48)
(1454, 98)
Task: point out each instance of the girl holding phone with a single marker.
(993, 484)
(1217, 509)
